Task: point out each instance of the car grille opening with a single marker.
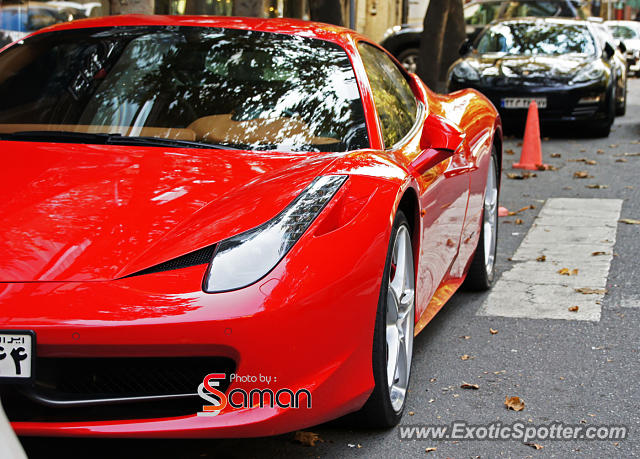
(587, 111)
(87, 389)
(198, 257)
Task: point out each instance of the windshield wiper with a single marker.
(163, 142)
(106, 139)
(58, 136)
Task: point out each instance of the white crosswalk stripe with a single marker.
(567, 232)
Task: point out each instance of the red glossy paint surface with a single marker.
(77, 218)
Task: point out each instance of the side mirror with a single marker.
(622, 47)
(465, 47)
(609, 51)
(440, 140)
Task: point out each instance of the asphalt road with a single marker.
(573, 371)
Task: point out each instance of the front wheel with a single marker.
(393, 332)
(603, 128)
(482, 270)
(409, 59)
(621, 106)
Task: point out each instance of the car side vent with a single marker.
(198, 257)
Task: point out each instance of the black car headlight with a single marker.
(591, 73)
(246, 258)
(464, 71)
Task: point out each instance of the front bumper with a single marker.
(307, 325)
(562, 101)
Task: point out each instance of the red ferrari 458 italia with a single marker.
(223, 227)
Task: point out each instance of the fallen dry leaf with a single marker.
(564, 272)
(509, 151)
(595, 254)
(519, 221)
(493, 332)
(466, 385)
(534, 445)
(542, 258)
(432, 380)
(574, 272)
(632, 154)
(599, 151)
(556, 155)
(307, 438)
(525, 208)
(597, 187)
(465, 357)
(514, 403)
(411, 413)
(591, 162)
(521, 176)
(431, 449)
(621, 160)
(574, 308)
(613, 145)
(582, 174)
(464, 337)
(629, 221)
(591, 291)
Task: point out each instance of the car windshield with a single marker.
(212, 86)
(533, 38)
(623, 32)
(482, 13)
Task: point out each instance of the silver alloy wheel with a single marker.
(400, 317)
(490, 219)
(410, 63)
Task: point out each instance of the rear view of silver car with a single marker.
(628, 32)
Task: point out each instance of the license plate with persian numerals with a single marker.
(17, 348)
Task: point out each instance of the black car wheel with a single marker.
(409, 59)
(603, 128)
(621, 107)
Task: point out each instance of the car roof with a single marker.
(475, 2)
(340, 35)
(534, 19)
(631, 24)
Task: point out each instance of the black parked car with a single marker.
(562, 64)
(404, 41)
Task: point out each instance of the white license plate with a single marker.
(17, 349)
(523, 102)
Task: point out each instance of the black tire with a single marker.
(378, 410)
(603, 128)
(408, 57)
(621, 107)
(479, 278)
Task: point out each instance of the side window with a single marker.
(392, 95)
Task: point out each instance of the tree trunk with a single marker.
(443, 33)
(329, 11)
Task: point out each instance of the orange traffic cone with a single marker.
(531, 156)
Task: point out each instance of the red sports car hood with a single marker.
(95, 212)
